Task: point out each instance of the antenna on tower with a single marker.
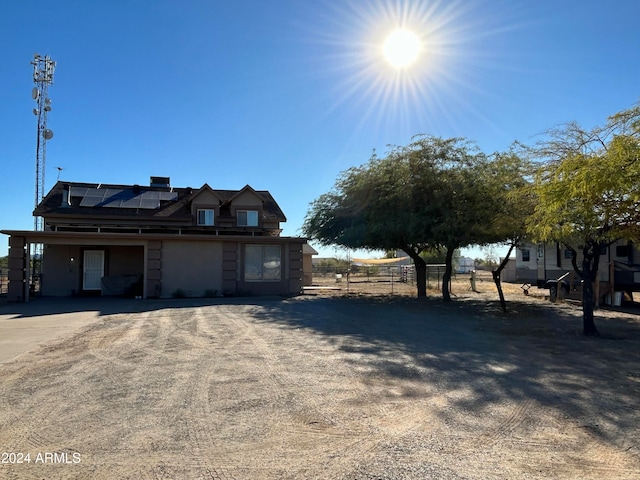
(43, 68)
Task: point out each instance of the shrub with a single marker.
(179, 293)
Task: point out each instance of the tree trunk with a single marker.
(588, 275)
(446, 278)
(421, 271)
(590, 270)
(588, 323)
(496, 277)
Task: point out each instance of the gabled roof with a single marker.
(246, 188)
(201, 190)
(148, 202)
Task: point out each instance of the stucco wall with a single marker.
(125, 260)
(307, 270)
(193, 267)
(61, 272)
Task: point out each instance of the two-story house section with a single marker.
(157, 241)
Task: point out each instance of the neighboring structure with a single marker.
(618, 270)
(465, 265)
(307, 264)
(157, 241)
(526, 265)
(508, 274)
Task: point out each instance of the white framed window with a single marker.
(247, 218)
(262, 263)
(205, 216)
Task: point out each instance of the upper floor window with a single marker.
(205, 216)
(247, 218)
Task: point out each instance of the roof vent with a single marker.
(160, 181)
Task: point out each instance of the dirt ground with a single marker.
(329, 385)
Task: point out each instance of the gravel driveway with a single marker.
(326, 388)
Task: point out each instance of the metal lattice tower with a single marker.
(43, 68)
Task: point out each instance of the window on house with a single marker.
(205, 216)
(525, 255)
(247, 218)
(623, 251)
(262, 263)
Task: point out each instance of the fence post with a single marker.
(392, 281)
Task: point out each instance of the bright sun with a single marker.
(401, 48)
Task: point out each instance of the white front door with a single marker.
(93, 270)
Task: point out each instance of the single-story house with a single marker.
(157, 241)
(542, 263)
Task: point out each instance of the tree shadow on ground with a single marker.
(534, 353)
(114, 305)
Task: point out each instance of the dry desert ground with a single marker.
(333, 385)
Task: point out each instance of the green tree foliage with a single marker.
(370, 207)
(433, 193)
(439, 256)
(508, 179)
(588, 194)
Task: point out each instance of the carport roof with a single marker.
(103, 238)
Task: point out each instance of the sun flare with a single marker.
(401, 48)
(406, 65)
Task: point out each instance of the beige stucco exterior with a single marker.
(307, 264)
(194, 268)
(192, 264)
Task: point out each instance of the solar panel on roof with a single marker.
(149, 203)
(166, 196)
(121, 198)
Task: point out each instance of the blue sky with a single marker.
(283, 95)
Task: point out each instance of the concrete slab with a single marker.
(26, 326)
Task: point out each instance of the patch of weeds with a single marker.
(179, 293)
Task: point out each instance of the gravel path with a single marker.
(327, 388)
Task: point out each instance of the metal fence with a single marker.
(4, 281)
(376, 278)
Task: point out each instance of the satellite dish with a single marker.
(35, 112)
(35, 93)
(47, 108)
(47, 134)
(47, 101)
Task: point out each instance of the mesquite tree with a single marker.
(431, 193)
(588, 194)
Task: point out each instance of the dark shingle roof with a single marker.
(148, 202)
